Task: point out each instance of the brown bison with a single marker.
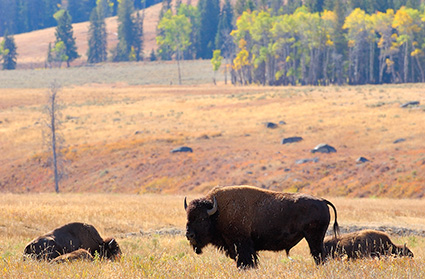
(80, 254)
(69, 238)
(242, 220)
(366, 243)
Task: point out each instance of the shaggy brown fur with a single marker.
(249, 219)
(80, 254)
(366, 243)
(69, 238)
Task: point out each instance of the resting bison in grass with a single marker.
(366, 243)
(242, 220)
(80, 254)
(69, 238)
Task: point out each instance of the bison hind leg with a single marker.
(315, 243)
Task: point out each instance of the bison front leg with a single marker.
(246, 256)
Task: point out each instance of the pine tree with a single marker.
(225, 26)
(8, 48)
(64, 33)
(125, 31)
(138, 36)
(209, 13)
(97, 37)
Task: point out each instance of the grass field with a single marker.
(120, 122)
(118, 133)
(162, 251)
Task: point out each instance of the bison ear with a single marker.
(185, 203)
(214, 209)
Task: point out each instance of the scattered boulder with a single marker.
(399, 140)
(308, 160)
(323, 148)
(410, 104)
(271, 125)
(291, 140)
(361, 160)
(281, 122)
(138, 132)
(181, 149)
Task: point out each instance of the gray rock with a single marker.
(181, 149)
(361, 160)
(291, 140)
(399, 140)
(323, 148)
(410, 104)
(271, 125)
(308, 160)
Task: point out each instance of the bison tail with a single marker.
(336, 226)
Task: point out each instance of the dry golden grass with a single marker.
(118, 139)
(154, 255)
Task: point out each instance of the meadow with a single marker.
(119, 124)
(149, 229)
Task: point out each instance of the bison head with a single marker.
(200, 227)
(111, 249)
(406, 252)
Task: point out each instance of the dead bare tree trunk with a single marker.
(52, 124)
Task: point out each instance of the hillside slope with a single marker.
(118, 138)
(33, 46)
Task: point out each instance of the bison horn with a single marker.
(185, 203)
(214, 209)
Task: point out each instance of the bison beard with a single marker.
(365, 243)
(242, 220)
(69, 238)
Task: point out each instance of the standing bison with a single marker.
(366, 243)
(242, 220)
(69, 238)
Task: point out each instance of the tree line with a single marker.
(266, 42)
(20, 16)
(303, 47)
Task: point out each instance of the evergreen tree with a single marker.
(225, 26)
(64, 33)
(80, 10)
(152, 57)
(105, 6)
(315, 5)
(8, 17)
(125, 31)
(138, 36)
(8, 50)
(245, 5)
(97, 37)
(49, 58)
(209, 12)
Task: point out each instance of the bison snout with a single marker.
(190, 235)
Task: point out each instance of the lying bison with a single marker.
(69, 238)
(80, 254)
(242, 220)
(366, 243)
